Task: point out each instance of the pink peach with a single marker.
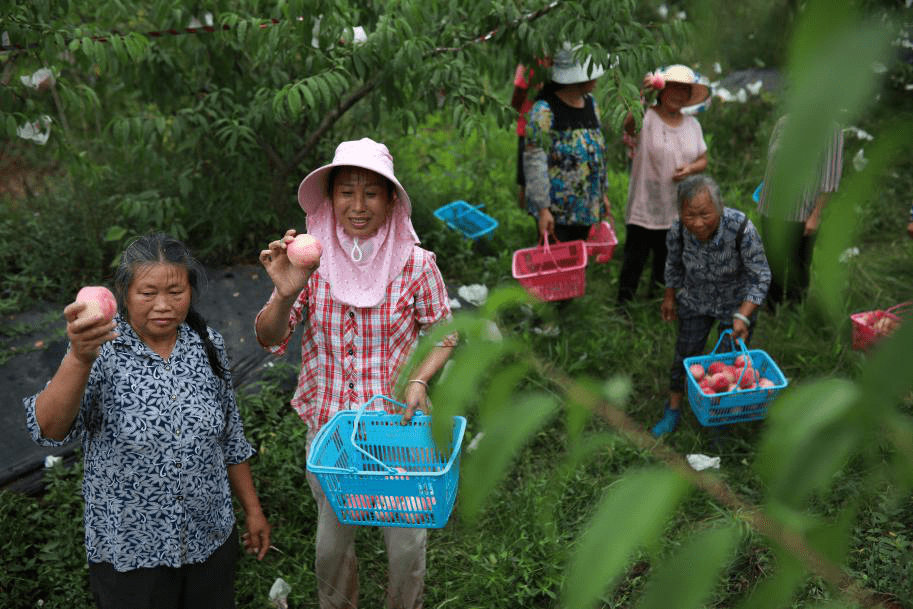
(99, 301)
(304, 250)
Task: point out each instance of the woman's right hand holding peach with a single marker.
(288, 278)
(86, 333)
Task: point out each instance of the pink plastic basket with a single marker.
(869, 327)
(552, 272)
(601, 242)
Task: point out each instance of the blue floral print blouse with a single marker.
(564, 161)
(157, 436)
(714, 277)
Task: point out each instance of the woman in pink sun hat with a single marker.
(669, 147)
(362, 307)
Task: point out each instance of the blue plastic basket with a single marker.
(375, 471)
(736, 406)
(466, 219)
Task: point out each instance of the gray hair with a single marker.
(159, 248)
(695, 184)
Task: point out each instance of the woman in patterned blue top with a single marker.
(564, 161)
(150, 396)
(716, 273)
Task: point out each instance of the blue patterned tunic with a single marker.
(157, 436)
(713, 278)
(564, 161)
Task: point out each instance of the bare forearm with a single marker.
(699, 164)
(242, 483)
(747, 308)
(272, 323)
(58, 405)
(434, 361)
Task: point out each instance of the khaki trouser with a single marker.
(336, 565)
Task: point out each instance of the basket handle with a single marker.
(467, 210)
(361, 411)
(543, 243)
(898, 307)
(741, 345)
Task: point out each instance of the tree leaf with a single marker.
(115, 233)
(811, 432)
(487, 464)
(690, 575)
(632, 515)
(294, 102)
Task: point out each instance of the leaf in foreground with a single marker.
(632, 515)
(811, 433)
(487, 464)
(687, 579)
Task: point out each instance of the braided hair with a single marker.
(158, 248)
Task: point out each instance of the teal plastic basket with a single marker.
(467, 219)
(375, 471)
(740, 405)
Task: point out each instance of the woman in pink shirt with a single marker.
(669, 147)
(362, 306)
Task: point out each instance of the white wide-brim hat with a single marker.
(364, 153)
(567, 71)
(700, 90)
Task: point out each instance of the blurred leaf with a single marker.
(886, 377)
(115, 233)
(818, 103)
(580, 450)
(632, 515)
(900, 433)
(811, 433)
(820, 20)
(839, 230)
(487, 464)
(691, 574)
(830, 539)
(776, 591)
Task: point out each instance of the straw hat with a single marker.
(700, 91)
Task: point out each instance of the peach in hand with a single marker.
(304, 250)
(99, 301)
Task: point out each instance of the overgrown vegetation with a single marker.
(516, 546)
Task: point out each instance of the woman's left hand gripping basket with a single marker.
(375, 471)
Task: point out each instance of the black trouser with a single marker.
(790, 264)
(639, 242)
(209, 584)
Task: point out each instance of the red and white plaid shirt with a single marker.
(350, 354)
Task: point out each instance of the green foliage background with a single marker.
(565, 501)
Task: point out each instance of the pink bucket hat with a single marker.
(364, 153)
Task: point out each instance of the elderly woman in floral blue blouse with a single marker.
(716, 274)
(150, 396)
